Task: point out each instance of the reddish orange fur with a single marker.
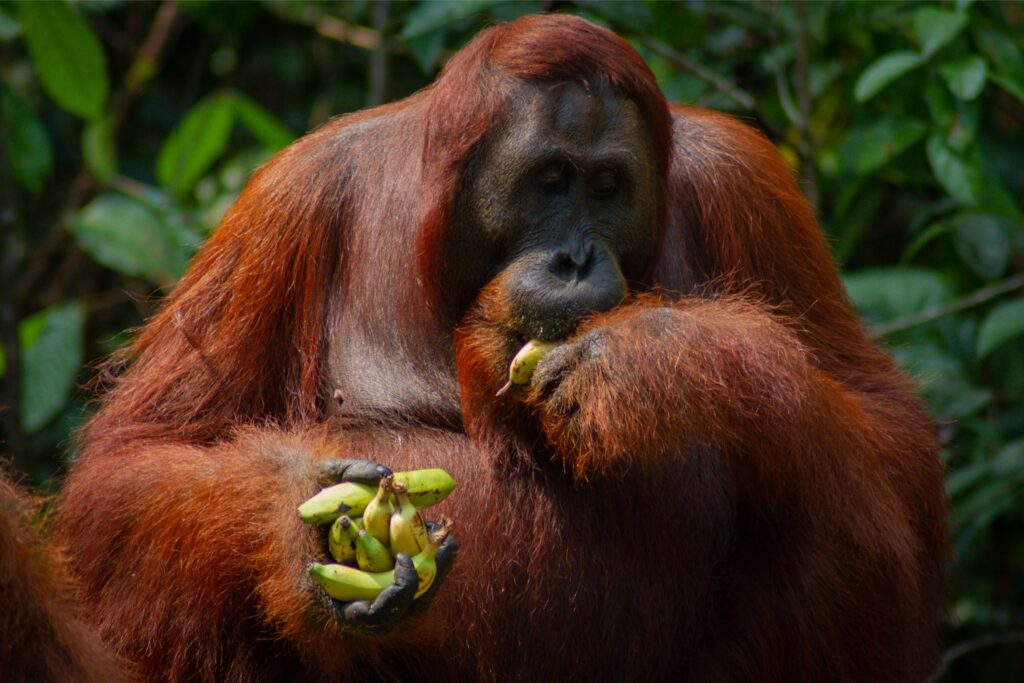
(741, 483)
(43, 632)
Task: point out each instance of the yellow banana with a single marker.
(346, 583)
(426, 487)
(377, 515)
(371, 555)
(341, 539)
(408, 530)
(520, 370)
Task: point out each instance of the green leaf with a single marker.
(124, 234)
(1004, 322)
(924, 238)
(195, 143)
(940, 104)
(631, 16)
(262, 124)
(67, 55)
(884, 71)
(1006, 58)
(963, 129)
(935, 28)
(426, 48)
(984, 490)
(1015, 88)
(984, 241)
(52, 348)
(965, 76)
(944, 383)
(25, 142)
(960, 177)
(875, 146)
(98, 149)
(425, 17)
(892, 292)
(9, 28)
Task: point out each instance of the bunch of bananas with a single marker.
(369, 529)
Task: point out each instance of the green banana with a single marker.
(341, 539)
(520, 370)
(371, 555)
(426, 487)
(346, 583)
(377, 515)
(408, 530)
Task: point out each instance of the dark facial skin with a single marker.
(557, 208)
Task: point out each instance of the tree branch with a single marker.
(969, 646)
(962, 304)
(802, 85)
(344, 32)
(82, 187)
(729, 88)
(10, 227)
(380, 56)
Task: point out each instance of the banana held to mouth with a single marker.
(520, 370)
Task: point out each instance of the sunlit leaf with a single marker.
(263, 125)
(884, 71)
(935, 28)
(196, 142)
(67, 56)
(124, 234)
(965, 76)
(98, 149)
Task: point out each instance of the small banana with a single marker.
(426, 487)
(341, 539)
(346, 583)
(371, 555)
(346, 498)
(408, 530)
(520, 370)
(377, 515)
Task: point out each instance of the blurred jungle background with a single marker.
(128, 128)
